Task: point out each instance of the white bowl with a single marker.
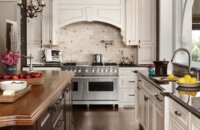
(13, 85)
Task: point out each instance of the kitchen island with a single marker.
(179, 105)
(44, 103)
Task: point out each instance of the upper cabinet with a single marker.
(66, 12)
(47, 23)
(141, 28)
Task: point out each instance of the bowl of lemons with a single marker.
(188, 81)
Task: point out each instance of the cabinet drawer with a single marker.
(126, 95)
(178, 112)
(127, 72)
(127, 81)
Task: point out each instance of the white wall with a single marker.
(8, 10)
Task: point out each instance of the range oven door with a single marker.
(101, 88)
(77, 89)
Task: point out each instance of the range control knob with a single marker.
(75, 70)
(86, 71)
(106, 70)
(101, 70)
(97, 70)
(79, 71)
(111, 70)
(93, 70)
(115, 71)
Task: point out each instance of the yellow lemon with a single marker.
(181, 80)
(170, 76)
(193, 94)
(187, 78)
(193, 80)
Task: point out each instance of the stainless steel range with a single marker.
(94, 84)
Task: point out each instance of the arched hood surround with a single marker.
(67, 12)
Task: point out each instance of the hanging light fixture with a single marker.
(32, 8)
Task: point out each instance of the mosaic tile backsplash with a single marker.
(79, 41)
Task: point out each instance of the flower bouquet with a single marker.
(10, 59)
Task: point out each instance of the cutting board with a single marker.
(13, 98)
(165, 79)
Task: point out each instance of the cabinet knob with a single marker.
(146, 98)
(177, 113)
(131, 95)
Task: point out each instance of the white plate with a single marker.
(189, 84)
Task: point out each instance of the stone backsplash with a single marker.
(79, 41)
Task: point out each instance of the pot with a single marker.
(97, 58)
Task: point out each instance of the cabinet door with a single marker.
(151, 117)
(131, 22)
(174, 125)
(140, 104)
(159, 117)
(146, 24)
(47, 23)
(195, 123)
(146, 54)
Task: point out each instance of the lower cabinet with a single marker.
(195, 123)
(175, 125)
(149, 106)
(58, 116)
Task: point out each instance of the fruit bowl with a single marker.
(13, 85)
(197, 84)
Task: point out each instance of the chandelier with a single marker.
(32, 8)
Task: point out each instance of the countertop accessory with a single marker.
(161, 67)
(13, 98)
(165, 79)
(189, 84)
(13, 85)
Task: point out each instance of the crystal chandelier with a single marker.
(32, 8)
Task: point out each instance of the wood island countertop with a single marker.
(26, 110)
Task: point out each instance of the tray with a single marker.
(189, 84)
(13, 98)
(165, 79)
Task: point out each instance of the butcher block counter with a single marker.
(41, 103)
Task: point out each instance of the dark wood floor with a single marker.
(104, 118)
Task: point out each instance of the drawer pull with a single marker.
(45, 119)
(146, 98)
(131, 81)
(131, 95)
(157, 97)
(177, 113)
(139, 80)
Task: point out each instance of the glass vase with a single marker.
(10, 69)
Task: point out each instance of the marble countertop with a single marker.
(189, 98)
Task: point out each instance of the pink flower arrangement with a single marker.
(9, 57)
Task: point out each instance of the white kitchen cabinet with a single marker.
(149, 106)
(175, 125)
(195, 123)
(141, 28)
(127, 84)
(47, 23)
(132, 22)
(146, 31)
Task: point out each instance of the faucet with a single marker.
(30, 57)
(183, 49)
